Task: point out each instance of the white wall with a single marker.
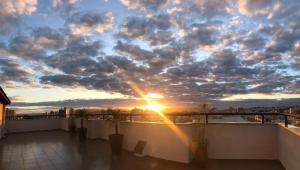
(242, 141)
(289, 148)
(64, 124)
(99, 129)
(29, 125)
(225, 141)
(162, 142)
(14, 126)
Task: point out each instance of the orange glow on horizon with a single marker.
(151, 105)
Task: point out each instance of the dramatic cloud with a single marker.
(256, 7)
(48, 38)
(82, 24)
(11, 71)
(10, 10)
(153, 29)
(189, 51)
(144, 4)
(57, 3)
(214, 7)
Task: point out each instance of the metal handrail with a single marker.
(173, 116)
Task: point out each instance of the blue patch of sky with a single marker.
(44, 16)
(201, 55)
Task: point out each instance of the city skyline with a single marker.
(105, 53)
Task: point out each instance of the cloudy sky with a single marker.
(101, 53)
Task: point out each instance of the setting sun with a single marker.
(153, 106)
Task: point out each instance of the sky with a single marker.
(103, 53)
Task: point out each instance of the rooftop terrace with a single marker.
(46, 143)
(58, 150)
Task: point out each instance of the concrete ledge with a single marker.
(14, 126)
(289, 147)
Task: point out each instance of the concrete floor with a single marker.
(58, 150)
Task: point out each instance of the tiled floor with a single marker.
(59, 150)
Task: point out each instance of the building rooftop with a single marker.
(3, 97)
(58, 150)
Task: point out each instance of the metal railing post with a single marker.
(286, 124)
(206, 118)
(263, 119)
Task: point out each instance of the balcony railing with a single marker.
(174, 117)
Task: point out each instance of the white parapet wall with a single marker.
(172, 141)
(162, 141)
(289, 147)
(225, 141)
(27, 125)
(31, 125)
(242, 141)
(64, 124)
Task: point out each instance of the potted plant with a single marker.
(200, 143)
(201, 154)
(82, 114)
(72, 125)
(116, 139)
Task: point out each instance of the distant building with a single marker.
(10, 114)
(68, 112)
(4, 101)
(65, 112)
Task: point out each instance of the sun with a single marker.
(154, 107)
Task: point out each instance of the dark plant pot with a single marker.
(201, 156)
(116, 141)
(72, 127)
(82, 134)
